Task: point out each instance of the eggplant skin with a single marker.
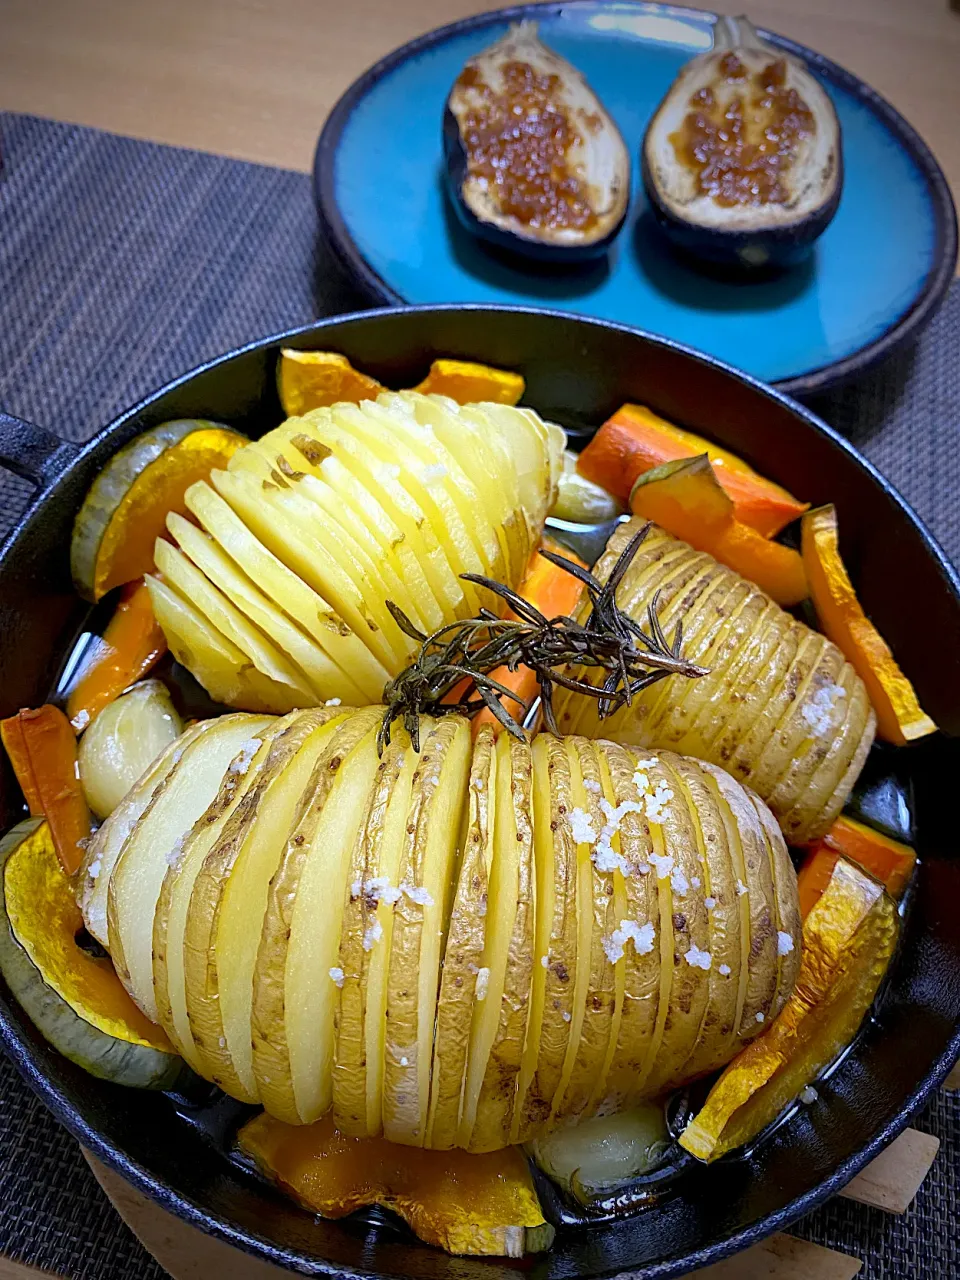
(455, 173)
(758, 249)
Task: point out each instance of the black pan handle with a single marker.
(33, 453)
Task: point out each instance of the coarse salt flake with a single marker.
(741, 888)
(245, 756)
(678, 881)
(591, 784)
(784, 943)
(404, 1062)
(695, 881)
(545, 961)
(663, 863)
(698, 959)
(709, 903)
(337, 974)
(808, 1095)
(581, 824)
(641, 936)
(761, 1017)
(418, 894)
(333, 702)
(567, 1017)
(724, 970)
(483, 981)
(94, 869)
(818, 710)
(380, 889)
(373, 934)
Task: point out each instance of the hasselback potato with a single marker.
(465, 946)
(781, 709)
(278, 599)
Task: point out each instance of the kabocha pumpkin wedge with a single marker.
(849, 936)
(462, 1203)
(73, 997)
(900, 718)
(887, 860)
(318, 379)
(127, 505)
(780, 708)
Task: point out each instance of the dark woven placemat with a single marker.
(123, 264)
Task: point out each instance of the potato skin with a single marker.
(781, 709)
(643, 924)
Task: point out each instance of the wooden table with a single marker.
(255, 79)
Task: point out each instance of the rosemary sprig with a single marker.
(463, 653)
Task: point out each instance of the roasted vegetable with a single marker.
(43, 751)
(534, 163)
(466, 1204)
(553, 591)
(282, 898)
(127, 504)
(282, 601)
(780, 707)
(900, 718)
(314, 379)
(686, 499)
(72, 996)
(130, 646)
(318, 379)
(602, 1155)
(634, 440)
(742, 159)
(848, 939)
(887, 860)
(579, 499)
(123, 741)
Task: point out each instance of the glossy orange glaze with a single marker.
(518, 142)
(741, 153)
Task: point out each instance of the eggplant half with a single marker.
(534, 163)
(742, 161)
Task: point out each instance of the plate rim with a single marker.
(909, 324)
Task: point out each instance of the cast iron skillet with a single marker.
(577, 372)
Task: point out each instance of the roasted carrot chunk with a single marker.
(887, 860)
(555, 593)
(900, 718)
(635, 441)
(44, 758)
(468, 383)
(849, 935)
(685, 498)
(132, 643)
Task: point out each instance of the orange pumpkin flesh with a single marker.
(469, 383)
(848, 939)
(685, 498)
(635, 441)
(887, 860)
(45, 919)
(316, 379)
(466, 1204)
(900, 718)
(126, 549)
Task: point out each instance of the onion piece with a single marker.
(581, 501)
(126, 737)
(599, 1156)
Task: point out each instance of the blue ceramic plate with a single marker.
(876, 276)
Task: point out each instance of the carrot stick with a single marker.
(47, 772)
(130, 646)
(555, 593)
(11, 731)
